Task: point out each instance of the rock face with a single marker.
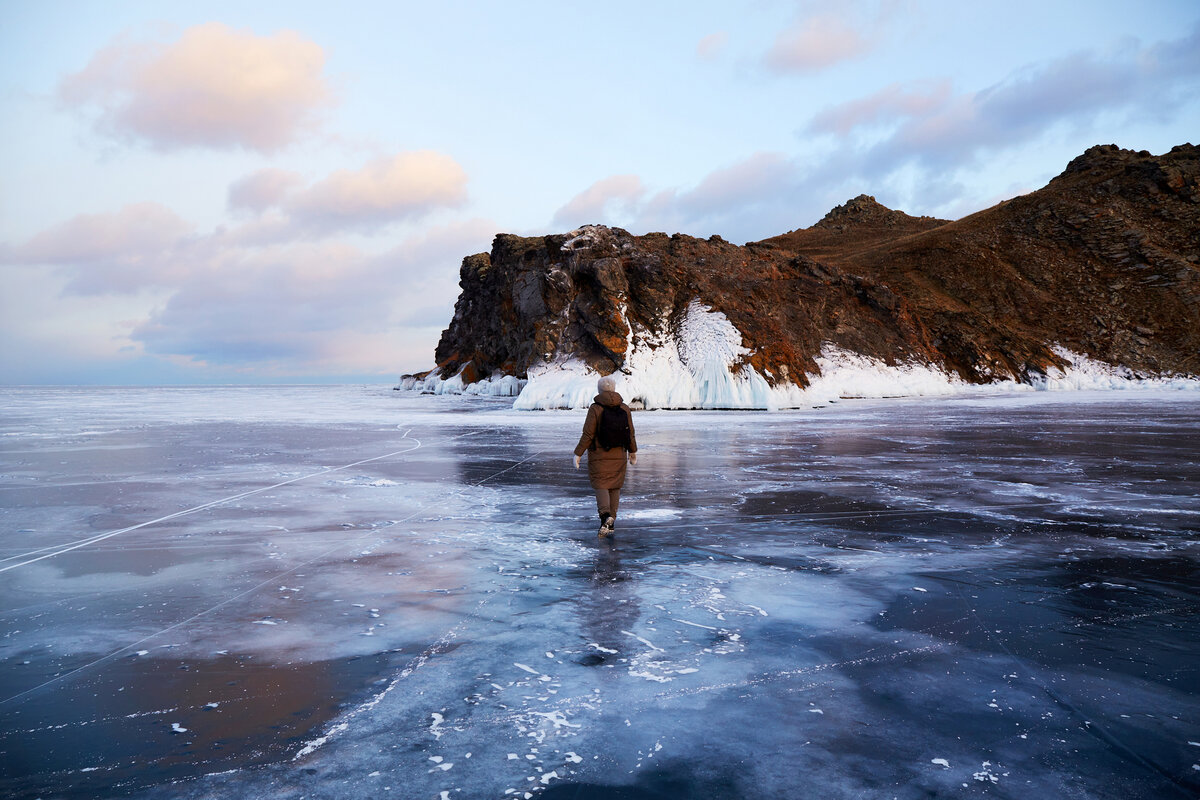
(1103, 261)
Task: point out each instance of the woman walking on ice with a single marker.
(607, 439)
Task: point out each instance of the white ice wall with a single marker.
(686, 368)
(495, 386)
(1085, 373)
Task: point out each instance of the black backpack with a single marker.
(613, 428)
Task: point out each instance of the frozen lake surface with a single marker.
(342, 592)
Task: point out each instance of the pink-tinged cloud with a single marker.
(613, 195)
(104, 253)
(749, 198)
(430, 263)
(749, 181)
(928, 134)
(266, 188)
(387, 190)
(214, 87)
(444, 245)
(220, 302)
(1156, 80)
(301, 307)
(262, 305)
(711, 46)
(815, 43)
(887, 105)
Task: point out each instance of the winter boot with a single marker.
(606, 525)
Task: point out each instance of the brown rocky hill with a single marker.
(857, 224)
(1102, 261)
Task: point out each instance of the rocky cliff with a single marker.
(1102, 262)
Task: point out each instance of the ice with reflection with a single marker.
(344, 591)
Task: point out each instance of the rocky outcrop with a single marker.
(1102, 261)
(597, 293)
(860, 223)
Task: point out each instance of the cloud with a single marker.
(597, 203)
(815, 43)
(262, 305)
(934, 129)
(443, 244)
(115, 252)
(761, 195)
(387, 190)
(147, 245)
(263, 297)
(746, 182)
(49, 337)
(215, 87)
(429, 294)
(293, 308)
(888, 104)
(266, 188)
(711, 46)
(299, 308)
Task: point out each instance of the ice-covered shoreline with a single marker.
(701, 366)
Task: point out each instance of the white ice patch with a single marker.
(986, 774)
(646, 642)
(697, 625)
(1085, 373)
(564, 383)
(941, 762)
(556, 719)
(654, 513)
(848, 374)
(531, 671)
(689, 367)
(495, 386)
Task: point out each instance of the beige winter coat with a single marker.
(606, 468)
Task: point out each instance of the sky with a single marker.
(283, 192)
